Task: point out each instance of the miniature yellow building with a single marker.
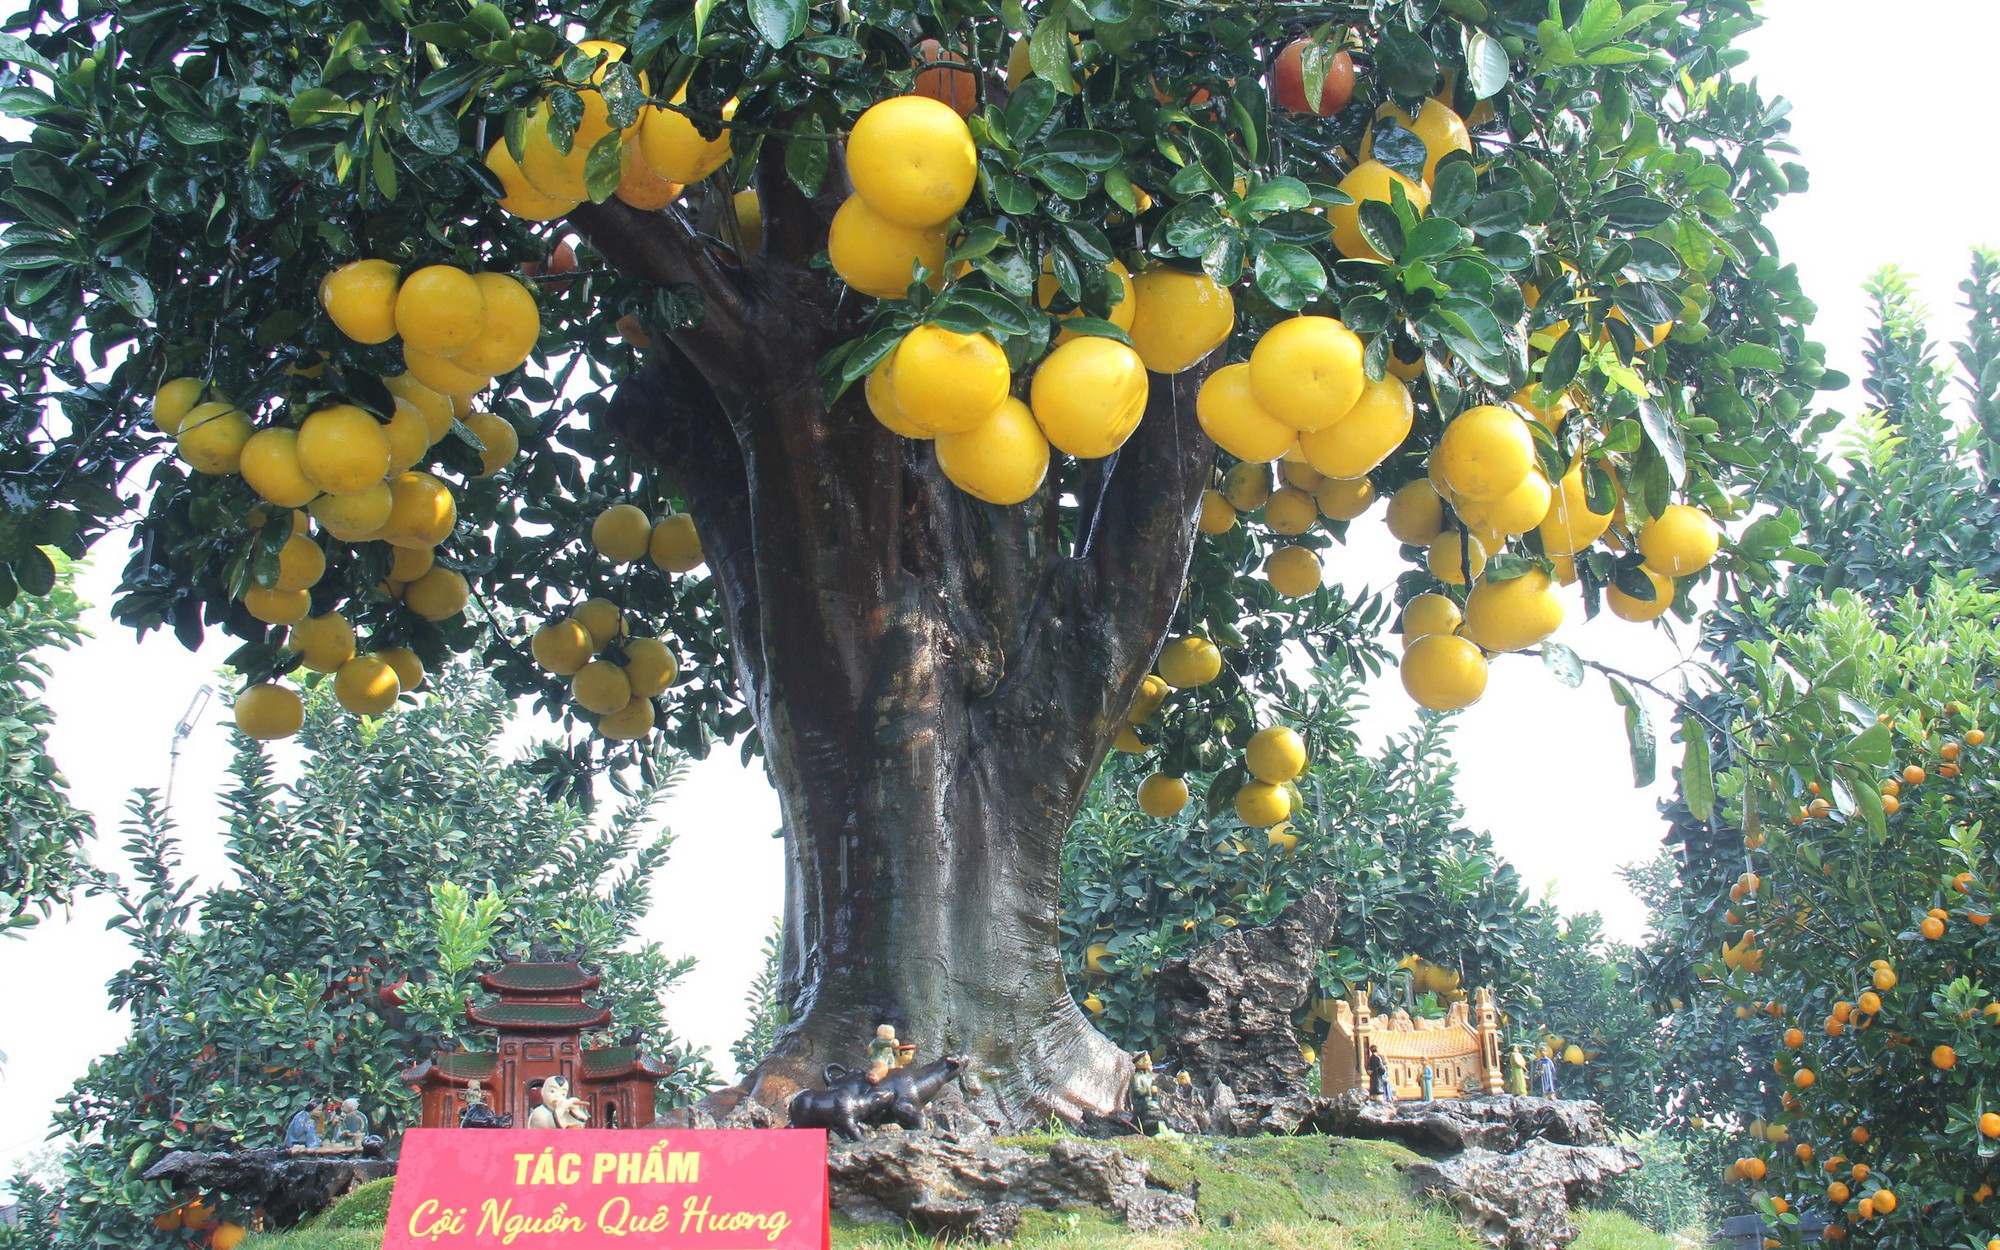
(1463, 1049)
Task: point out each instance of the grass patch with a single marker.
(1615, 1230)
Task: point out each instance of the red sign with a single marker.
(528, 1189)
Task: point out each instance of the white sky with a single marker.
(1543, 767)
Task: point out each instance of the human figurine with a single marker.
(1517, 1073)
(353, 1127)
(1427, 1080)
(882, 1056)
(1378, 1077)
(303, 1132)
(1144, 1084)
(558, 1109)
(478, 1111)
(1545, 1069)
(1182, 1080)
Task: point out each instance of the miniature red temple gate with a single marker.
(1463, 1049)
(540, 1019)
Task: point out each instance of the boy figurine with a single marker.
(1144, 1084)
(882, 1055)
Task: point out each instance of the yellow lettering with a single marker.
(521, 1163)
(656, 1170)
(628, 1168)
(569, 1170)
(600, 1167)
(683, 1167)
(545, 1169)
(493, 1215)
(694, 1214)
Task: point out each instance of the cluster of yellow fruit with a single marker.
(460, 330)
(624, 533)
(612, 676)
(1442, 132)
(1274, 759)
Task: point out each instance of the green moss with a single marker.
(318, 1239)
(1615, 1230)
(366, 1207)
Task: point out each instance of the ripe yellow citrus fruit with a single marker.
(1002, 460)
(438, 595)
(300, 564)
(1453, 554)
(440, 311)
(1430, 614)
(675, 546)
(1550, 415)
(1129, 742)
(1514, 614)
(1276, 754)
(649, 666)
(1370, 180)
(675, 149)
(499, 444)
(1296, 472)
(1516, 512)
(1416, 514)
(1376, 425)
(1247, 487)
(1444, 672)
(1217, 517)
(1629, 608)
(628, 723)
(913, 160)
(603, 618)
(947, 382)
(1306, 372)
(269, 463)
(354, 518)
(880, 391)
(327, 642)
(1122, 312)
(518, 195)
(227, 1236)
(1232, 417)
(621, 533)
(1152, 693)
(269, 711)
(1344, 499)
(1087, 396)
(1570, 525)
(1442, 131)
(1181, 318)
(436, 408)
(555, 173)
(360, 296)
(1162, 797)
(421, 512)
(749, 214)
(1573, 1054)
(366, 685)
(1261, 804)
(1293, 571)
(343, 450)
(1680, 541)
(173, 401)
(511, 322)
(562, 647)
(408, 668)
(1485, 452)
(638, 184)
(1189, 661)
(409, 437)
(1284, 839)
(601, 687)
(1290, 510)
(211, 438)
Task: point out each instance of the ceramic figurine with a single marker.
(353, 1127)
(1144, 1086)
(1427, 1082)
(853, 1098)
(478, 1111)
(303, 1132)
(1517, 1073)
(558, 1109)
(882, 1056)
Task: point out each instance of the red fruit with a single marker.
(1288, 78)
(956, 88)
(562, 260)
(392, 993)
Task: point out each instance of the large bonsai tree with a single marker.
(1524, 234)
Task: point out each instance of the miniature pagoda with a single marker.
(540, 1020)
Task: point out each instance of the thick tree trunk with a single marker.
(935, 679)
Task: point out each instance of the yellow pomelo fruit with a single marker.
(1293, 571)
(675, 545)
(749, 213)
(300, 564)
(519, 196)
(1370, 180)
(440, 311)
(1189, 661)
(1122, 312)
(366, 685)
(269, 463)
(1430, 614)
(1661, 332)
(269, 711)
(1376, 426)
(1484, 453)
(638, 184)
(1247, 487)
(354, 518)
(1146, 703)
(1232, 417)
(604, 619)
(407, 564)
(1306, 372)
(876, 256)
(621, 533)
(421, 512)
(628, 723)
(1261, 804)
(438, 595)
(1515, 614)
(1275, 755)
(1681, 540)
(557, 174)
(1019, 64)
(173, 401)
(360, 296)
(408, 668)
(277, 607)
(1129, 741)
(1181, 318)
(1569, 525)
(1550, 416)
(1516, 512)
(1442, 131)
(1344, 498)
(211, 438)
(507, 335)
(1444, 672)
(326, 642)
(1630, 608)
(1290, 510)
(409, 437)
(437, 409)
(1217, 517)
(601, 687)
(1565, 569)
(1162, 797)
(947, 382)
(1002, 460)
(1407, 370)
(1452, 554)
(1416, 514)
(1296, 472)
(1088, 395)
(443, 376)
(499, 444)
(913, 160)
(650, 667)
(675, 150)
(880, 392)
(562, 647)
(343, 450)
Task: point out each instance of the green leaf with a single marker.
(1434, 236)
(1289, 275)
(1564, 662)
(1756, 356)
(1097, 327)
(1564, 358)
(1049, 50)
(604, 167)
(16, 52)
(195, 131)
(996, 311)
(1697, 772)
(1665, 436)
(1028, 110)
(132, 291)
(1874, 747)
(1277, 195)
(1457, 185)
(808, 155)
(1486, 65)
(1087, 149)
(35, 572)
(1405, 63)
(1639, 734)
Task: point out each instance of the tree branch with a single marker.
(795, 226)
(663, 248)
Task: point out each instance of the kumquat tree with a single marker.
(964, 345)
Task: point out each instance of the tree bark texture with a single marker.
(935, 679)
